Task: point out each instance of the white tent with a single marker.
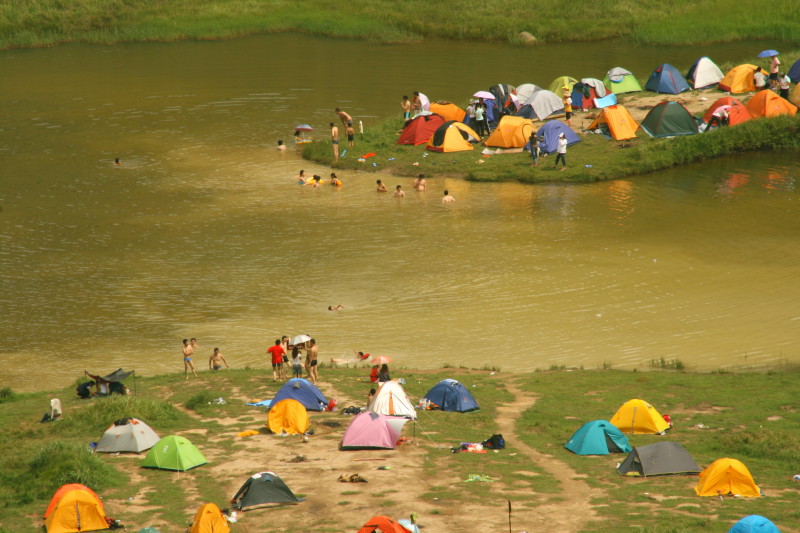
(704, 73)
(525, 91)
(127, 435)
(544, 103)
(391, 399)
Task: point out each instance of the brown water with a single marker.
(203, 232)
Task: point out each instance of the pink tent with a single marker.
(371, 430)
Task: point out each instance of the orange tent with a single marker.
(740, 79)
(209, 519)
(737, 114)
(383, 524)
(768, 104)
(727, 476)
(795, 96)
(453, 137)
(621, 125)
(288, 416)
(511, 132)
(449, 111)
(75, 508)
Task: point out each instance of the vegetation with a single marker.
(45, 22)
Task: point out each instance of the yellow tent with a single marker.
(209, 519)
(740, 79)
(511, 132)
(76, 510)
(620, 123)
(638, 416)
(288, 416)
(448, 111)
(768, 104)
(727, 476)
(452, 137)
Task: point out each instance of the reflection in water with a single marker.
(732, 183)
(620, 200)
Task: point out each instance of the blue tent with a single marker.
(304, 392)
(667, 79)
(754, 524)
(598, 437)
(550, 131)
(794, 72)
(450, 395)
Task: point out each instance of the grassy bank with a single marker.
(45, 22)
(716, 415)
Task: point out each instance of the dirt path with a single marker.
(575, 509)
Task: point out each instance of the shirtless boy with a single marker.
(398, 192)
(216, 360)
(188, 351)
(447, 199)
(406, 105)
(335, 141)
(351, 134)
(344, 117)
(312, 351)
(381, 186)
(419, 183)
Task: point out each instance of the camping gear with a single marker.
(525, 91)
(638, 416)
(127, 435)
(598, 86)
(544, 103)
(449, 394)
(448, 111)
(754, 524)
(737, 111)
(112, 383)
(598, 437)
(511, 132)
(621, 81)
(727, 476)
(73, 508)
(548, 136)
(209, 519)
(382, 524)
(606, 101)
(658, 459)
(370, 430)
(704, 73)
(391, 399)
(495, 442)
(304, 392)
(559, 84)
(583, 96)
(263, 488)
(794, 72)
(174, 453)
(768, 104)
(288, 417)
(668, 119)
(739, 79)
(666, 79)
(451, 137)
(768, 53)
(618, 120)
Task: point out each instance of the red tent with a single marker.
(383, 524)
(420, 129)
(737, 113)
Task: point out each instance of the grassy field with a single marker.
(28, 23)
(750, 417)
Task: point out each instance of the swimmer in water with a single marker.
(117, 162)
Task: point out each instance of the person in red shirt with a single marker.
(277, 352)
(373, 376)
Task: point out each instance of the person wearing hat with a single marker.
(567, 106)
(561, 154)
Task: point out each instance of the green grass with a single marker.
(44, 22)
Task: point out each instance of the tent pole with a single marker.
(509, 516)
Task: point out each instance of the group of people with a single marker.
(215, 362)
(316, 180)
(777, 80)
(279, 354)
(561, 149)
(347, 123)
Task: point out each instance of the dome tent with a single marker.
(370, 430)
(450, 395)
(668, 119)
(391, 399)
(127, 435)
(263, 488)
(638, 416)
(598, 437)
(727, 476)
(667, 79)
(304, 392)
(174, 453)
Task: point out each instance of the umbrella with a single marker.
(768, 53)
(381, 360)
(303, 127)
(300, 339)
(486, 95)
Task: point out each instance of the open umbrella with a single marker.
(768, 53)
(486, 95)
(303, 128)
(300, 339)
(381, 360)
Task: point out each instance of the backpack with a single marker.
(495, 442)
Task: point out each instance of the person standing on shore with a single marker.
(535, 148)
(312, 352)
(561, 154)
(285, 345)
(335, 141)
(277, 352)
(774, 66)
(188, 351)
(297, 363)
(406, 105)
(351, 134)
(216, 360)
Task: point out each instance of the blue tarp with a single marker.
(304, 392)
(667, 79)
(598, 437)
(608, 100)
(548, 135)
(450, 395)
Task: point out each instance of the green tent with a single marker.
(174, 453)
(558, 84)
(668, 119)
(621, 81)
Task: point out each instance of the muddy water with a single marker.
(203, 232)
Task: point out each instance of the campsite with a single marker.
(548, 486)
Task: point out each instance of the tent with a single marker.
(795, 96)
(450, 395)
(391, 399)
(739, 79)
(448, 111)
(304, 392)
(704, 73)
(618, 120)
(667, 79)
(768, 104)
(420, 129)
(737, 113)
(668, 119)
(263, 488)
(112, 383)
(544, 103)
(638, 416)
(598, 437)
(558, 84)
(209, 519)
(370, 430)
(658, 459)
(75, 508)
(754, 524)
(127, 435)
(598, 86)
(452, 136)
(511, 132)
(174, 453)
(583, 96)
(727, 476)
(550, 131)
(288, 417)
(502, 92)
(794, 72)
(622, 81)
(382, 524)
(525, 91)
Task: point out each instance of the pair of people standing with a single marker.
(279, 355)
(561, 150)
